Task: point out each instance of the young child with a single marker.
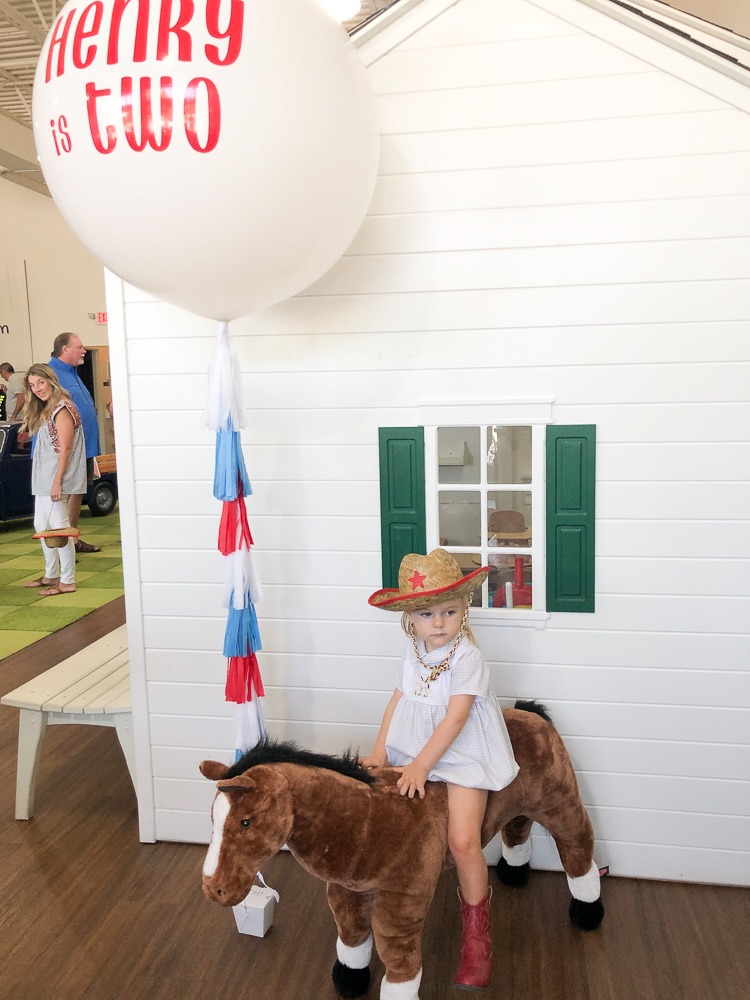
(443, 723)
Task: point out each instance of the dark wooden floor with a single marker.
(89, 913)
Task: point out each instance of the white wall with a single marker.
(554, 217)
(65, 282)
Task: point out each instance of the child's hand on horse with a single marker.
(413, 777)
(378, 758)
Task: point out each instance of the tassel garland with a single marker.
(223, 414)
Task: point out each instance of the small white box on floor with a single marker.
(254, 915)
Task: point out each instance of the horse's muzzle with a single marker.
(222, 894)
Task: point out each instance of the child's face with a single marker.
(438, 624)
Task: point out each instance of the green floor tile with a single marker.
(11, 642)
(10, 528)
(18, 548)
(89, 598)
(25, 562)
(108, 581)
(45, 616)
(96, 562)
(4, 610)
(20, 597)
(10, 576)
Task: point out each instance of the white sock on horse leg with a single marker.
(354, 958)
(586, 888)
(401, 991)
(518, 855)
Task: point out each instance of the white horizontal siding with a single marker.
(702, 175)
(674, 134)
(647, 383)
(312, 353)
(616, 612)
(622, 462)
(583, 646)
(718, 577)
(555, 217)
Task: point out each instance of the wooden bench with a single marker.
(91, 688)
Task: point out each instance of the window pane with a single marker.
(459, 518)
(458, 455)
(509, 518)
(510, 580)
(508, 454)
(469, 562)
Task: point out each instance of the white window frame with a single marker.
(536, 413)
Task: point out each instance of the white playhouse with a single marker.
(546, 309)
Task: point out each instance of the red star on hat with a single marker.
(417, 580)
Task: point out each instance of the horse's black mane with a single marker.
(535, 707)
(270, 751)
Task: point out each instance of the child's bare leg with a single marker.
(465, 814)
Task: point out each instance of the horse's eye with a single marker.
(245, 822)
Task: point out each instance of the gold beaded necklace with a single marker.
(434, 672)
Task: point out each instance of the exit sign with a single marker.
(101, 317)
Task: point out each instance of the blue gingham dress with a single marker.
(481, 756)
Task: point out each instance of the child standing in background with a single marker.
(443, 723)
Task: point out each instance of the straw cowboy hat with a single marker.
(426, 580)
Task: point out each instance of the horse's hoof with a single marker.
(515, 875)
(586, 916)
(348, 982)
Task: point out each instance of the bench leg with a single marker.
(124, 727)
(31, 727)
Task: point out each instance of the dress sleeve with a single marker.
(470, 673)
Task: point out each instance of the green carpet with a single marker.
(26, 617)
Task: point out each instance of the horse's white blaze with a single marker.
(587, 888)
(221, 809)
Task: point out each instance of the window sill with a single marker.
(498, 616)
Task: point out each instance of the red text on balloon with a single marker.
(90, 31)
(106, 143)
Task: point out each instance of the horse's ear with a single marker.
(213, 770)
(242, 783)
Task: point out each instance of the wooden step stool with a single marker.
(91, 688)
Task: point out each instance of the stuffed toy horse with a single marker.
(381, 853)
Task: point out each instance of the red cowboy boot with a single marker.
(475, 965)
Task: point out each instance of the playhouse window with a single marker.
(485, 490)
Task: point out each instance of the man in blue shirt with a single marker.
(68, 353)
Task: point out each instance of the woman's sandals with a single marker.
(57, 589)
(41, 581)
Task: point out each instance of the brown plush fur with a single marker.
(381, 853)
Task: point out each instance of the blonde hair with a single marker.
(465, 603)
(35, 410)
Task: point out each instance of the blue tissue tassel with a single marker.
(242, 635)
(230, 465)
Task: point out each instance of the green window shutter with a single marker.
(402, 507)
(571, 468)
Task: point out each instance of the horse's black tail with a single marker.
(535, 707)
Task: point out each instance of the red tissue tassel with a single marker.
(243, 676)
(233, 511)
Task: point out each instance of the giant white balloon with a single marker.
(219, 154)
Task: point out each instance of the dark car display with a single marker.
(16, 499)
